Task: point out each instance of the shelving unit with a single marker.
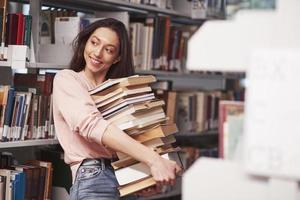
(27, 143)
(118, 5)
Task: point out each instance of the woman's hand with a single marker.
(164, 171)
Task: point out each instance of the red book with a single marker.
(227, 108)
(20, 29)
(12, 28)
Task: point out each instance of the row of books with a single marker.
(198, 111)
(32, 180)
(18, 29)
(25, 116)
(130, 104)
(157, 44)
(26, 108)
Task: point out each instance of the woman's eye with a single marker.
(93, 42)
(109, 51)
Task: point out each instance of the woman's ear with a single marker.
(117, 60)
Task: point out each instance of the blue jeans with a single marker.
(93, 182)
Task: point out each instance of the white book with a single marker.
(126, 102)
(133, 116)
(119, 93)
(134, 172)
(140, 117)
(141, 121)
(135, 108)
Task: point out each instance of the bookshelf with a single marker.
(118, 5)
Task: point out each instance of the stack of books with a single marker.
(130, 104)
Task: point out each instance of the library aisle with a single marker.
(215, 90)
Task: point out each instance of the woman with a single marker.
(101, 51)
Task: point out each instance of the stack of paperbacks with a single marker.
(130, 104)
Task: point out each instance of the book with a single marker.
(8, 114)
(3, 101)
(47, 179)
(117, 94)
(134, 108)
(136, 186)
(160, 141)
(142, 120)
(226, 109)
(137, 115)
(123, 82)
(153, 144)
(135, 172)
(3, 12)
(122, 102)
(159, 131)
(127, 161)
(2, 187)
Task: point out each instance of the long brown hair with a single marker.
(120, 69)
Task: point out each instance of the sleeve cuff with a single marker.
(99, 130)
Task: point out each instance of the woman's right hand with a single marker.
(164, 171)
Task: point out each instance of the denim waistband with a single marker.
(96, 161)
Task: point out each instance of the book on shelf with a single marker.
(130, 104)
(32, 180)
(3, 102)
(3, 14)
(26, 109)
(6, 173)
(231, 115)
(46, 182)
(18, 29)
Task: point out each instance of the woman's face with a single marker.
(101, 50)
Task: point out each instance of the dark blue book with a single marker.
(8, 114)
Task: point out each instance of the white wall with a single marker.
(227, 45)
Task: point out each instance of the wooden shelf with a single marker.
(26, 143)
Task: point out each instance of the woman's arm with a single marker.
(163, 171)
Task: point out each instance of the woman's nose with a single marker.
(98, 52)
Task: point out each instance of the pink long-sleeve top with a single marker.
(79, 125)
